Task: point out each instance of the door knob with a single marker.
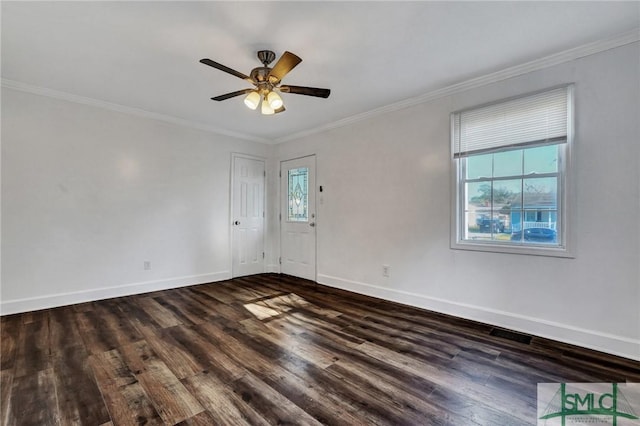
(312, 224)
(237, 222)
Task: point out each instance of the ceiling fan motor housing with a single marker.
(260, 74)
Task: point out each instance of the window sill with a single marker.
(529, 250)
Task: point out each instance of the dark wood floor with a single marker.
(273, 349)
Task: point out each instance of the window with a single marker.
(511, 166)
(298, 189)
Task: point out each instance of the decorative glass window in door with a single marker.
(298, 189)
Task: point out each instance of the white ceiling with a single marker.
(145, 55)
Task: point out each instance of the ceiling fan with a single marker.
(267, 82)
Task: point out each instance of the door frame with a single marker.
(235, 155)
(281, 213)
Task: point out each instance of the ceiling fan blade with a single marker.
(232, 94)
(309, 91)
(225, 69)
(281, 109)
(286, 63)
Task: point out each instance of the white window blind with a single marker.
(535, 119)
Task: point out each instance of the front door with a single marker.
(298, 217)
(247, 217)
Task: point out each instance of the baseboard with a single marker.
(61, 299)
(604, 342)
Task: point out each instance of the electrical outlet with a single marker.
(147, 265)
(385, 270)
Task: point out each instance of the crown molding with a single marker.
(623, 39)
(57, 94)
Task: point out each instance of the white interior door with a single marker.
(247, 216)
(298, 217)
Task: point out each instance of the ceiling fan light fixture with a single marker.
(275, 101)
(253, 100)
(266, 108)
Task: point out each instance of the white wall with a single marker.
(387, 201)
(89, 194)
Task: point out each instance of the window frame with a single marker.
(565, 190)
